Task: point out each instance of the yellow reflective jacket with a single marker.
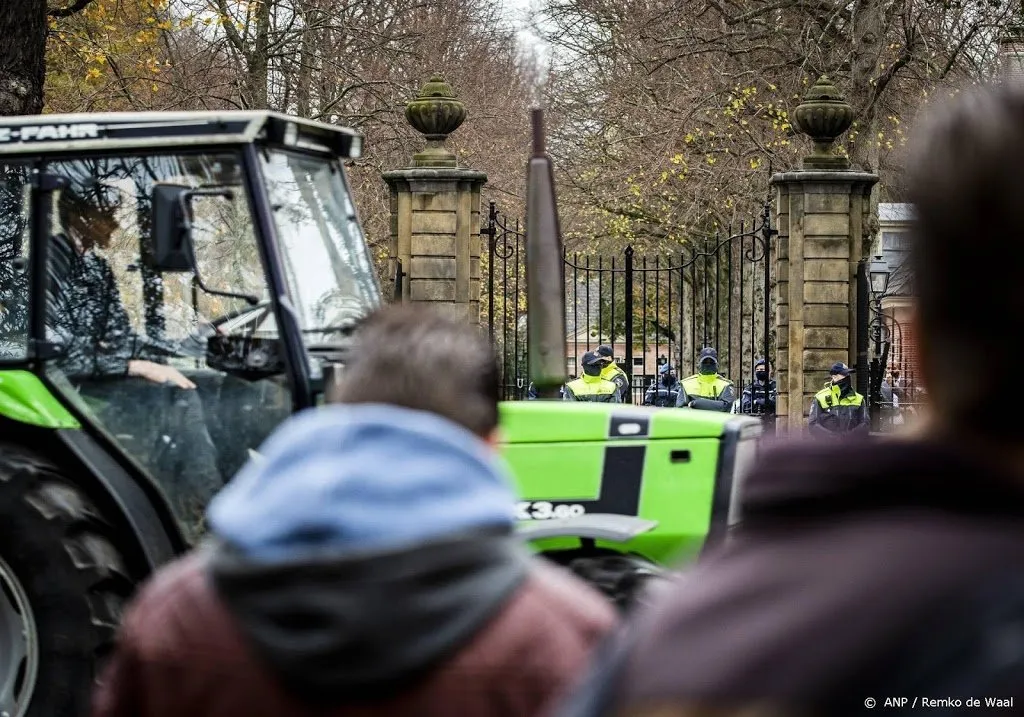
(616, 375)
(716, 391)
(592, 388)
(838, 412)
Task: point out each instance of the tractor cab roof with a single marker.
(140, 131)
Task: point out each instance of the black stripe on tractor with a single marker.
(618, 420)
(139, 500)
(722, 496)
(621, 480)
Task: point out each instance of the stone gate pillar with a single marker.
(435, 210)
(824, 222)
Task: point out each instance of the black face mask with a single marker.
(843, 383)
(762, 375)
(708, 368)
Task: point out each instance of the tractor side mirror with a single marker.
(172, 247)
(170, 230)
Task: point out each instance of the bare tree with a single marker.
(350, 62)
(671, 111)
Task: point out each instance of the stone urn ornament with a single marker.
(824, 115)
(435, 112)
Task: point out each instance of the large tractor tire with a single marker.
(62, 586)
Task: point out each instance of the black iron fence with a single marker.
(651, 309)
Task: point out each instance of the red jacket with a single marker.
(183, 652)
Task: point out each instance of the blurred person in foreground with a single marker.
(874, 568)
(368, 564)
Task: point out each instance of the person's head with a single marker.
(761, 370)
(840, 374)
(418, 357)
(591, 362)
(606, 353)
(666, 374)
(963, 180)
(708, 362)
(88, 214)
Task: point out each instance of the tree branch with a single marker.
(75, 7)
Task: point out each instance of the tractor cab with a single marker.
(179, 282)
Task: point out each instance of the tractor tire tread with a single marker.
(62, 519)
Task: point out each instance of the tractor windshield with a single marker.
(185, 379)
(326, 264)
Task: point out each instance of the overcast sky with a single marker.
(518, 12)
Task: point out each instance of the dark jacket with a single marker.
(837, 412)
(759, 398)
(367, 565)
(853, 562)
(90, 324)
(663, 393)
(531, 392)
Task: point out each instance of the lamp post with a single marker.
(878, 275)
(878, 278)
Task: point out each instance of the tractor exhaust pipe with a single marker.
(545, 272)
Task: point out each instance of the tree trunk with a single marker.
(304, 83)
(22, 56)
(868, 36)
(259, 60)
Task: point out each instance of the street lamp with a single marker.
(878, 277)
(878, 273)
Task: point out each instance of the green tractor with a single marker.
(175, 285)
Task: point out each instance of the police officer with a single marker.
(838, 409)
(612, 372)
(707, 390)
(665, 391)
(590, 386)
(759, 396)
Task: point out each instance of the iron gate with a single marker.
(651, 309)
